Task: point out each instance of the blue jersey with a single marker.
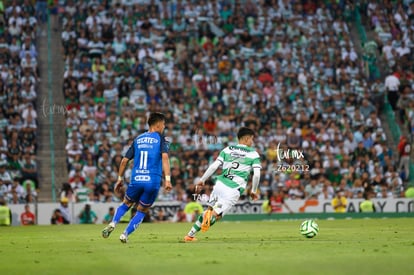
(146, 150)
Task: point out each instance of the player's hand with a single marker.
(199, 186)
(254, 196)
(168, 186)
(118, 186)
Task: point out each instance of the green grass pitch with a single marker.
(357, 246)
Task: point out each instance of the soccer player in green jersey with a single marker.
(237, 162)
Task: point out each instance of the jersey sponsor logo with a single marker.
(145, 146)
(148, 140)
(238, 148)
(142, 171)
(237, 155)
(142, 178)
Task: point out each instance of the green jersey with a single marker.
(238, 162)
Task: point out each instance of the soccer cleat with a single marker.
(123, 238)
(107, 230)
(205, 224)
(188, 239)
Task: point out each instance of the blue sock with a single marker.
(120, 211)
(135, 222)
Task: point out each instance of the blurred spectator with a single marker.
(67, 192)
(160, 216)
(87, 215)
(27, 217)
(41, 10)
(29, 169)
(392, 85)
(16, 192)
(404, 151)
(29, 193)
(180, 216)
(312, 190)
(339, 202)
(4, 174)
(65, 211)
(192, 210)
(409, 193)
(5, 213)
(57, 218)
(367, 205)
(276, 202)
(108, 216)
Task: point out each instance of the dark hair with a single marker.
(155, 117)
(244, 131)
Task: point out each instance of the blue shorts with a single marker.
(143, 192)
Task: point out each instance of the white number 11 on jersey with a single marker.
(143, 159)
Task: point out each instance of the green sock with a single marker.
(197, 225)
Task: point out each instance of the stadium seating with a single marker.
(393, 28)
(19, 78)
(289, 71)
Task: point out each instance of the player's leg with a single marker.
(133, 191)
(134, 222)
(221, 200)
(144, 203)
(208, 218)
(206, 215)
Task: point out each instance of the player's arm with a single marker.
(165, 159)
(122, 167)
(167, 171)
(256, 177)
(255, 183)
(210, 171)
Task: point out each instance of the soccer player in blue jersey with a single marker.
(150, 154)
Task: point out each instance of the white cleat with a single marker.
(123, 238)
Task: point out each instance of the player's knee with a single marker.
(218, 216)
(128, 203)
(142, 208)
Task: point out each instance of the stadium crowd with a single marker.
(19, 78)
(393, 25)
(288, 70)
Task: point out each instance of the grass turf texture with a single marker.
(359, 246)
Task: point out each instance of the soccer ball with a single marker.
(309, 228)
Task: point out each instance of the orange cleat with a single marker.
(189, 239)
(205, 224)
